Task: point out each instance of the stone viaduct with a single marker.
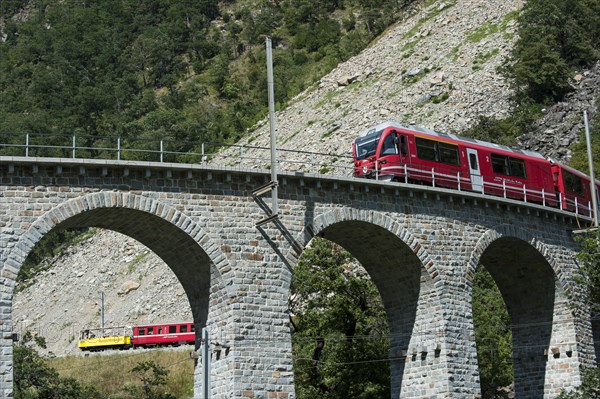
(420, 245)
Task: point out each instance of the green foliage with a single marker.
(185, 71)
(589, 389)
(153, 377)
(34, 379)
(340, 336)
(588, 275)
(493, 336)
(505, 131)
(554, 37)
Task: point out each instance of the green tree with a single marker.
(588, 275)
(152, 377)
(493, 336)
(34, 379)
(340, 335)
(554, 37)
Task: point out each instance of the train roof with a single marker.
(418, 129)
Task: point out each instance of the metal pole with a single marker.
(205, 364)
(102, 313)
(275, 207)
(592, 178)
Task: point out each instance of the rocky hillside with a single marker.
(436, 69)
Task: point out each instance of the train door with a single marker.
(475, 171)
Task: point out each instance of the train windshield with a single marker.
(367, 146)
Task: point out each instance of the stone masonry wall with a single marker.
(419, 244)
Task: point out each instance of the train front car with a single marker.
(376, 153)
(416, 155)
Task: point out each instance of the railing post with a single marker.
(27, 145)
(543, 197)
(590, 207)
(161, 151)
(458, 180)
(376, 170)
(576, 207)
(433, 177)
(202, 160)
(405, 174)
(560, 201)
(73, 146)
(524, 193)
(504, 187)
(118, 148)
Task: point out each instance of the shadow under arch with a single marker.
(173, 236)
(530, 284)
(406, 279)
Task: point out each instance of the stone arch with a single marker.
(78, 211)
(133, 215)
(409, 284)
(534, 285)
(507, 230)
(323, 221)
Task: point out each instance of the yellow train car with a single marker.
(91, 341)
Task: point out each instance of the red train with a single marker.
(392, 152)
(143, 336)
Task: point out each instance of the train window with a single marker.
(572, 182)
(389, 147)
(403, 145)
(426, 149)
(159, 330)
(192, 328)
(183, 329)
(367, 146)
(473, 161)
(517, 167)
(150, 330)
(448, 153)
(500, 164)
(172, 329)
(141, 331)
(508, 166)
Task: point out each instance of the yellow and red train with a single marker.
(141, 336)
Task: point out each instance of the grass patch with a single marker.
(414, 78)
(453, 54)
(481, 59)
(441, 98)
(136, 261)
(287, 139)
(110, 373)
(482, 32)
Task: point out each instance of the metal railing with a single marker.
(504, 188)
(171, 151)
